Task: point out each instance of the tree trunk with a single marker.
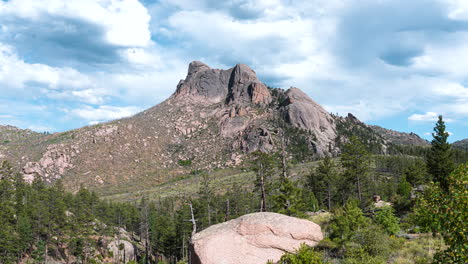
(226, 217)
(194, 222)
(329, 196)
(208, 208)
(262, 187)
(359, 189)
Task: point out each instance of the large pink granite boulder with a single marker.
(253, 239)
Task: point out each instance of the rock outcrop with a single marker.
(253, 239)
(122, 251)
(400, 138)
(50, 167)
(238, 85)
(214, 119)
(302, 112)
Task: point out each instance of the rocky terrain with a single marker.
(253, 238)
(461, 144)
(213, 120)
(400, 138)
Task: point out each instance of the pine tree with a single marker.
(263, 165)
(439, 158)
(322, 181)
(8, 238)
(288, 201)
(356, 163)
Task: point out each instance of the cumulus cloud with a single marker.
(15, 74)
(87, 31)
(429, 116)
(105, 112)
(81, 55)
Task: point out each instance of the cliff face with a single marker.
(238, 85)
(213, 120)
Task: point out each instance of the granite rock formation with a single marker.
(252, 239)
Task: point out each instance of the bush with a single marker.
(370, 245)
(305, 255)
(185, 163)
(347, 222)
(445, 211)
(387, 220)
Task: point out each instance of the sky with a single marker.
(394, 63)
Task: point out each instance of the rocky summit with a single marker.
(214, 119)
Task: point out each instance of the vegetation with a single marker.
(443, 208)
(439, 158)
(42, 222)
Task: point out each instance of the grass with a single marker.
(188, 184)
(417, 251)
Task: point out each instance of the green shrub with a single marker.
(304, 255)
(445, 211)
(185, 163)
(347, 222)
(386, 218)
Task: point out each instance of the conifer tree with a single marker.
(439, 158)
(356, 163)
(263, 165)
(322, 181)
(288, 201)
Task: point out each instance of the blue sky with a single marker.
(394, 63)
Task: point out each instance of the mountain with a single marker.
(213, 120)
(400, 138)
(461, 144)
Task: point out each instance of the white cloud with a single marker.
(125, 22)
(427, 117)
(105, 112)
(41, 74)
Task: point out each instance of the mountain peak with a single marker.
(237, 85)
(197, 66)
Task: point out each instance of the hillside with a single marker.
(461, 144)
(400, 138)
(214, 120)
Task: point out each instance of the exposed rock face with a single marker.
(50, 167)
(301, 111)
(253, 239)
(122, 250)
(214, 119)
(238, 85)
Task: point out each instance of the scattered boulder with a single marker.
(122, 250)
(379, 203)
(253, 239)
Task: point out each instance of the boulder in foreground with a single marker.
(253, 239)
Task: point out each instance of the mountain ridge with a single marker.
(214, 119)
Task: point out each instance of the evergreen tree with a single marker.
(355, 160)
(347, 221)
(205, 202)
(322, 181)
(264, 166)
(386, 218)
(445, 211)
(288, 201)
(439, 158)
(416, 172)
